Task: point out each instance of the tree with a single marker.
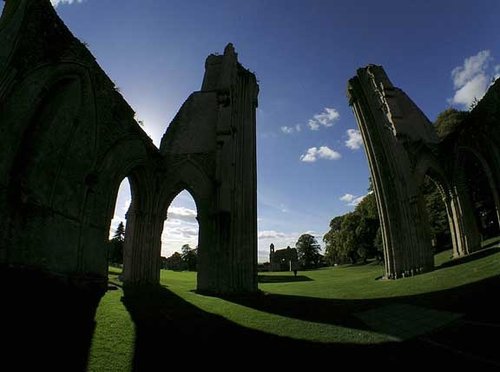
(120, 232)
(367, 228)
(448, 121)
(175, 262)
(438, 218)
(115, 253)
(332, 242)
(352, 236)
(190, 257)
(308, 251)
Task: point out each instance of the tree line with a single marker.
(356, 236)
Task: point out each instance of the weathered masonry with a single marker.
(402, 149)
(69, 139)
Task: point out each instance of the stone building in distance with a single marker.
(283, 259)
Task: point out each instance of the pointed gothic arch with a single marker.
(402, 148)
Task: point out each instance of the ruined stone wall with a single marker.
(382, 112)
(68, 139)
(214, 136)
(402, 148)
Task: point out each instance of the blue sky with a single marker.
(442, 53)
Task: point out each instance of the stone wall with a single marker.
(69, 139)
(403, 148)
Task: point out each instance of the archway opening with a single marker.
(438, 219)
(482, 196)
(117, 229)
(180, 237)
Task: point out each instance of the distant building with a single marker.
(283, 259)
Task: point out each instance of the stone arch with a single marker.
(394, 131)
(191, 177)
(429, 166)
(466, 154)
(80, 161)
(129, 157)
(402, 148)
(210, 149)
(46, 174)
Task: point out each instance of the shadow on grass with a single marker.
(46, 323)
(283, 278)
(167, 327)
(473, 300)
(485, 252)
(165, 321)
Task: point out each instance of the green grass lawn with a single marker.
(345, 305)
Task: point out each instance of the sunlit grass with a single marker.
(113, 342)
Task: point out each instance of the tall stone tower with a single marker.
(210, 150)
(393, 130)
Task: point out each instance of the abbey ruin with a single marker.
(403, 148)
(69, 139)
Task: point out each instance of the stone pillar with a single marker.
(142, 247)
(463, 215)
(390, 123)
(219, 122)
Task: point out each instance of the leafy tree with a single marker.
(448, 121)
(175, 262)
(308, 251)
(367, 228)
(332, 242)
(438, 218)
(190, 257)
(115, 253)
(352, 236)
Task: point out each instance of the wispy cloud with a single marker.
(472, 79)
(353, 200)
(324, 152)
(181, 213)
(354, 140)
(326, 119)
(271, 234)
(291, 130)
(59, 2)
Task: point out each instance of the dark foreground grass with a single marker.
(445, 314)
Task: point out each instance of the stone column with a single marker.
(390, 123)
(142, 247)
(465, 221)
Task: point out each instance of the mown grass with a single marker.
(316, 306)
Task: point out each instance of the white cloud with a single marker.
(326, 118)
(347, 198)
(353, 200)
(271, 234)
(180, 232)
(473, 89)
(313, 124)
(324, 152)
(472, 67)
(181, 213)
(291, 130)
(126, 205)
(58, 2)
(472, 79)
(354, 140)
